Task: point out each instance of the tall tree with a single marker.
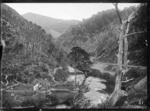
(122, 57)
(79, 59)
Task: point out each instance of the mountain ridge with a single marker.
(50, 17)
(52, 26)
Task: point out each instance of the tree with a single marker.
(79, 59)
(122, 58)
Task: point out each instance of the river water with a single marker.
(96, 95)
(96, 86)
(101, 67)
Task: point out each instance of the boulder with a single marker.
(141, 84)
(96, 98)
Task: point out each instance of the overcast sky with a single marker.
(77, 11)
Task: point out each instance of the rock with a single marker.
(62, 106)
(96, 98)
(71, 69)
(79, 78)
(95, 83)
(141, 84)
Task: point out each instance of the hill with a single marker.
(98, 35)
(52, 26)
(30, 52)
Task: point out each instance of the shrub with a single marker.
(61, 75)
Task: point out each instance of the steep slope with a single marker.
(52, 26)
(98, 35)
(29, 53)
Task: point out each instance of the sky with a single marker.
(66, 11)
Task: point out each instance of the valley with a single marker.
(50, 63)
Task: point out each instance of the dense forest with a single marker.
(70, 72)
(98, 35)
(29, 51)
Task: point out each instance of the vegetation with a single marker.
(79, 59)
(31, 56)
(98, 36)
(29, 51)
(61, 75)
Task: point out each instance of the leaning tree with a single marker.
(80, 59)
(122, 56)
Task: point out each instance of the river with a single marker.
(96, 86)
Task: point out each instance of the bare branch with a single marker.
(134, 33)
(127, 80)
(114, 64)
(132, 16)
(117, 11)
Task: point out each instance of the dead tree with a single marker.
(122, 58)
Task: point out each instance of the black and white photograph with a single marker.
(74, 56)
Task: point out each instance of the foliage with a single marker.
(137, 43)
(135, 73)
(136, 95)
(61, 75)
(99, 35)
(31, 54)
(29, 50)
(80, 59)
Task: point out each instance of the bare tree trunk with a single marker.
(117, 93)
(81, 86)
(84, 80)
(122, 59)
(75, 77)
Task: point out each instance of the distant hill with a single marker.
(52, 26)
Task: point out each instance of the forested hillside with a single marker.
(98, 35)
(41, 72)
(52, 26)
(29, 53)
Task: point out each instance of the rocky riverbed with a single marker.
(96, 91)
